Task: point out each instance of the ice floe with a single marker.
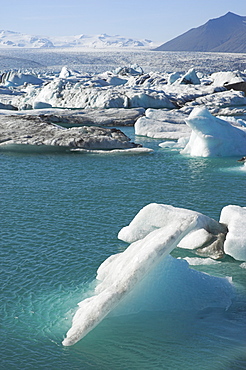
(162, 124)
(18, 130)
(81, 117)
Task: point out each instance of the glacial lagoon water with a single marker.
(60, 216)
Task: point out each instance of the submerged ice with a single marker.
(146, 277)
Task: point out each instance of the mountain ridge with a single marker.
(224, 34)
(11, 39)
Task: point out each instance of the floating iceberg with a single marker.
(212, 136)
(162, 124)
(235, 243)
(34, 131)
(120, 273)
(206, 237)
(145, 277)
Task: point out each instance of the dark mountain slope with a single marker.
(224, 34)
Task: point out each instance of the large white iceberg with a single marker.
(120, 273)
(212, 136)
(145, 277)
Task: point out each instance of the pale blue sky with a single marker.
(157, 20)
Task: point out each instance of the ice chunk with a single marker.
(65, 72)
(130, 151)
(145, 277)
(148, 99)
(222, 78)
(196, 261)
(235, 219)
(155, 216)
(13, 78)
(173, 77)
(180, 144)
(114, 80)
(163, 123)
(123, 273)
(206, 238)
(41, 105)
(212, 136)
(166, 115)
(195, 239)
(145, 126)
(35, 131)
(219, 100)
(190, 78)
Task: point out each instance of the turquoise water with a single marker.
(60, 216)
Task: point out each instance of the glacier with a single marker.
(145, 277)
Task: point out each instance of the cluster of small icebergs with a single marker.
(145, 268)
(179, 108)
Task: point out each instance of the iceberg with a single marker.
(146, 277)
(163, 124)
(218, 101)
(226, 78)
(12, 78)
(235, 219)
(120, 273)
(212, 136)
(206, 237)
(35, 132)
(190, 78)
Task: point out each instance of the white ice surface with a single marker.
(196, 261)
(235, 219)
(119, 275)
(145, 126)
(155, 216)
(212, 136)
(145, 277)
(228, 77)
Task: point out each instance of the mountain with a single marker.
(10, 39)
(16, 39)
(224, 34)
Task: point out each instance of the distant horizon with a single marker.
(158, 21)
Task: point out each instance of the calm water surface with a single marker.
(60, 216)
